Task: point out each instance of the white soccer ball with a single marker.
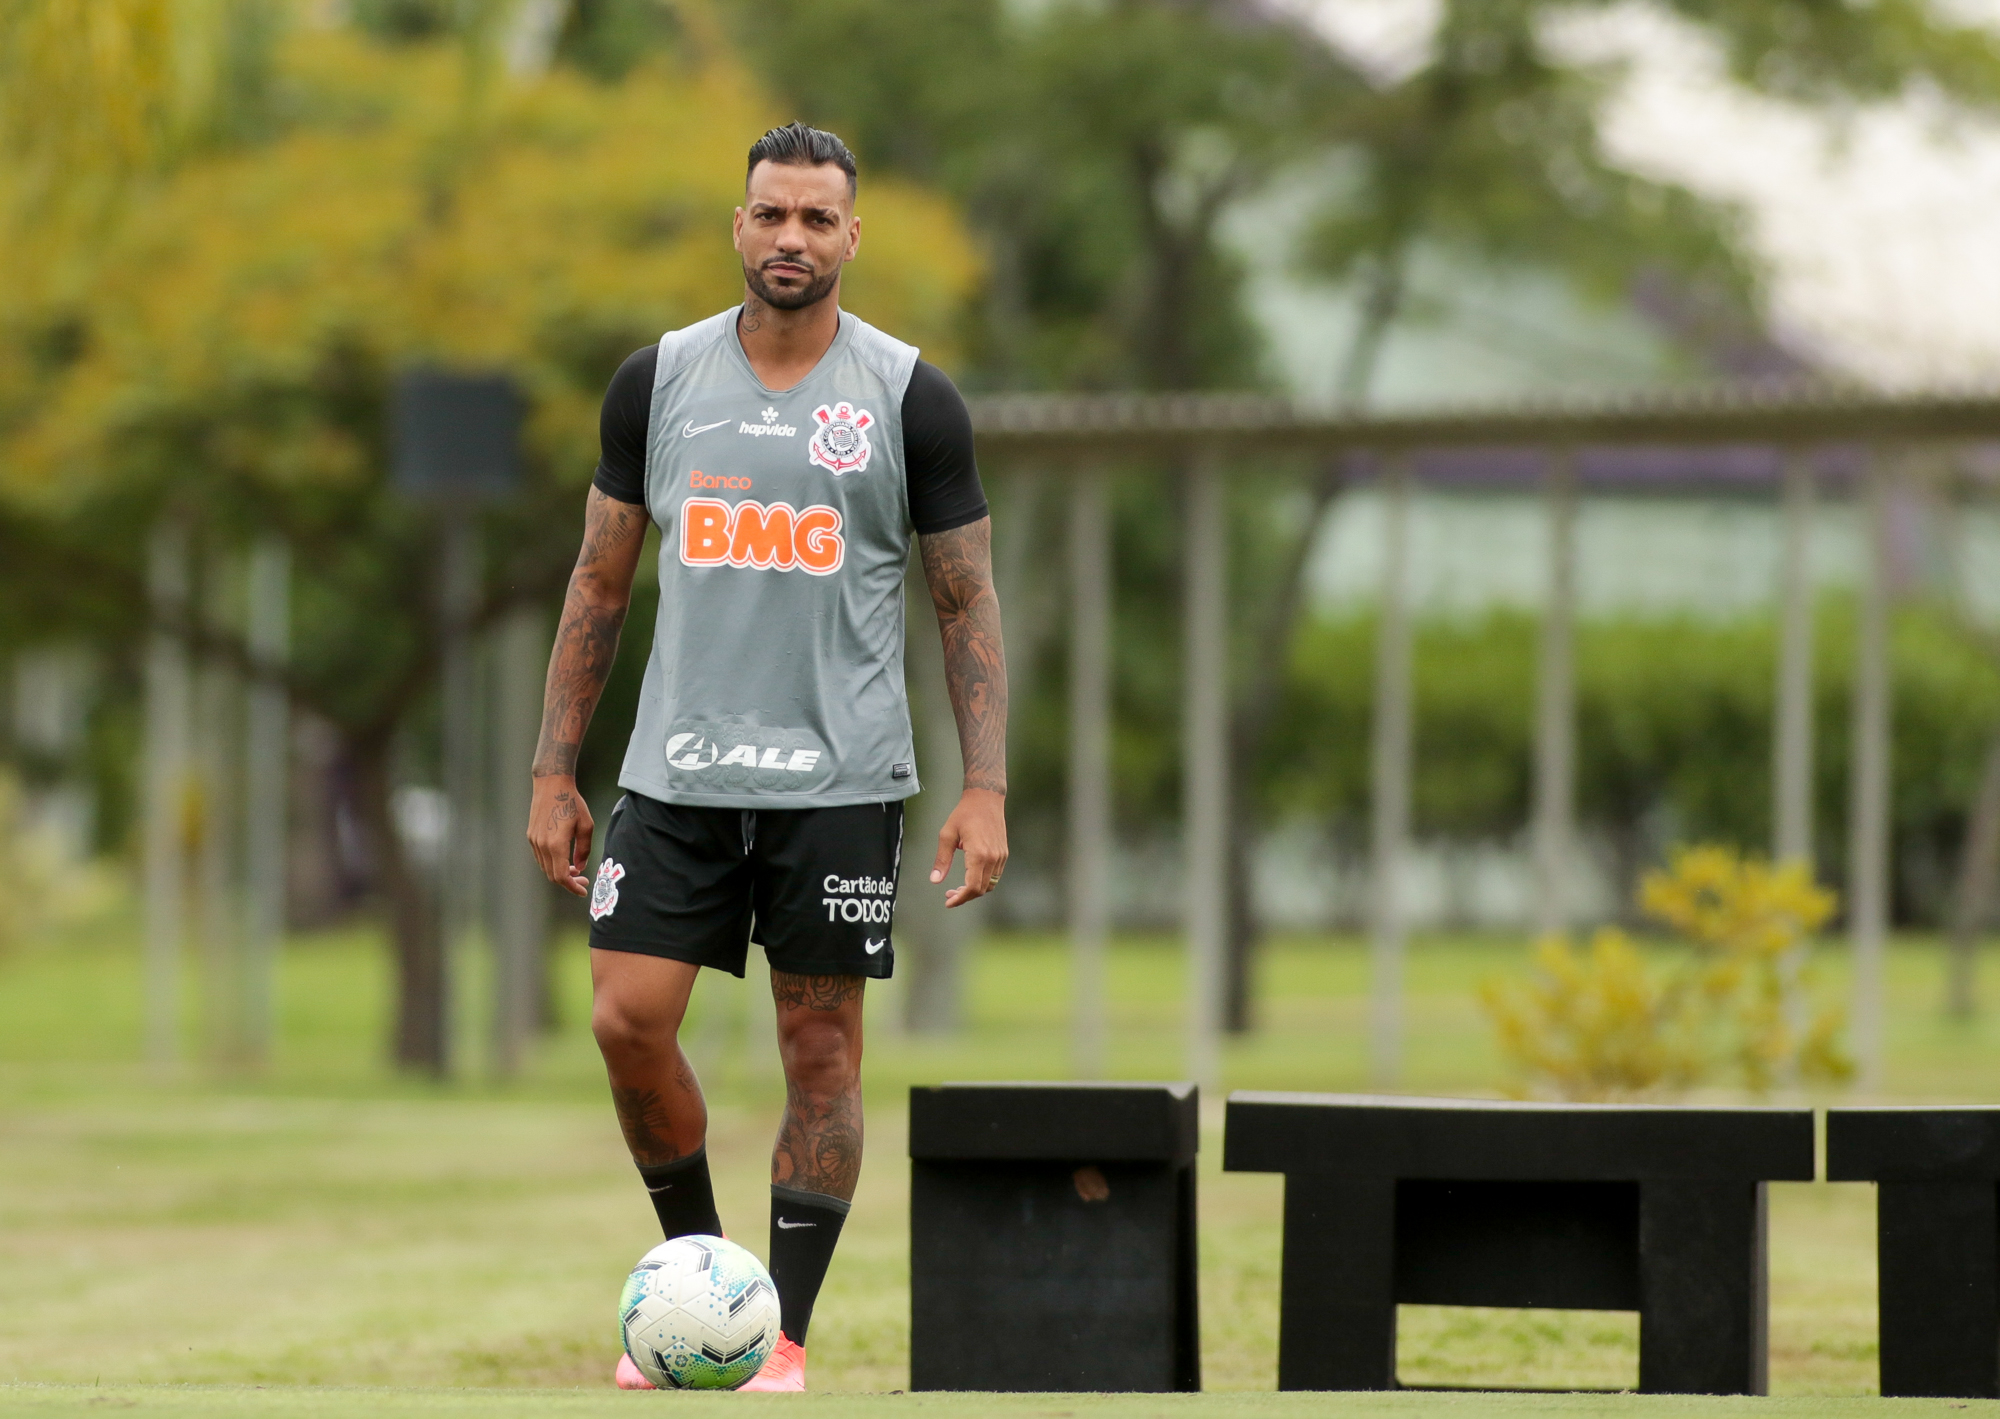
(699, 1313)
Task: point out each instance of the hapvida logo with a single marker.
(777, 537)
(770, 428)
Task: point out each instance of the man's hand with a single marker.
(978, 825)
(559, 829)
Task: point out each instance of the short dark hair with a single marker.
(796, 145)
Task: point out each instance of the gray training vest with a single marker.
(776, 679)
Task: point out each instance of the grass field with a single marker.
(224, 1402)
(328, 1224)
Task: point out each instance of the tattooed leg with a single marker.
(637, 1003)
(819, 1036)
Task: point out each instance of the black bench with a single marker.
(1467, 1203)
(1052, 1237)
(1937, 1240)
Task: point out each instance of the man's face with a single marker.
(795, 230)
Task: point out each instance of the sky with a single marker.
(1880, 228)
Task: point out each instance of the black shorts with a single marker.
(815, 887)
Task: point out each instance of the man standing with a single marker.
(787, 451)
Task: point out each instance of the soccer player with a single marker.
(787, 452)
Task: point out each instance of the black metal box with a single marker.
(1052, 1237)
(1937, 1241)
(1461, 1202)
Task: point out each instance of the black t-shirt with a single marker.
(938, 464)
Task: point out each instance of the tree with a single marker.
(243, 315)
(1096, 146)
(1491, 153)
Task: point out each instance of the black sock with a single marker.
(683, 1196)
(804, 1228)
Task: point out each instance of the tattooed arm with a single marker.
(600, 590)
(958, 565)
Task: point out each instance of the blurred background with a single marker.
(270, 694)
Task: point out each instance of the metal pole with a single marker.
(1390, 796)
(1555, 706)
(266, 766)
(167, 724)
(520, 901)
(218, 698)
(1868, 826)
(1792, 727)
(458, 862)
(1089, 764)
(1205, 767)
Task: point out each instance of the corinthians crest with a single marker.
(840, 444)
(604, 891)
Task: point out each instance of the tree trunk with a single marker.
(421, 1041)
(1265, 686)
(1250, 721)
(1976, 871)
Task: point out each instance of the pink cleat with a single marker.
(784, 1372)
(628, 1375)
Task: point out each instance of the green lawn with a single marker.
(331, 1225)
(570, 1404)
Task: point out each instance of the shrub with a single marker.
(1607, 1023)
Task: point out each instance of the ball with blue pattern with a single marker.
(699, 1313)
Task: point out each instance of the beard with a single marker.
(812, 292)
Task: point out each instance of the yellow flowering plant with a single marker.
(1608, 1023)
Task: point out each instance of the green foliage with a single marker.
(607, 38)
(222, 343)
(40, 889)
(405, 19)
(1095, 146)
(1607, 1024)
(28, 869)
(1673, 733)
(1831, 53)
(233, 347)
(1492, 155)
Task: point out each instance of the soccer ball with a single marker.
(699, 1313)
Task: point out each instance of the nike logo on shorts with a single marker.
(794, 1226)
(690, 428)
(871, 947)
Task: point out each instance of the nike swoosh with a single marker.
(871, 947)
(793, 1226)
(688, 430)
(663, 1187)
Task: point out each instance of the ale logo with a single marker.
(840, 444)
(751, 534)
(745, 755)
(691, 751)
